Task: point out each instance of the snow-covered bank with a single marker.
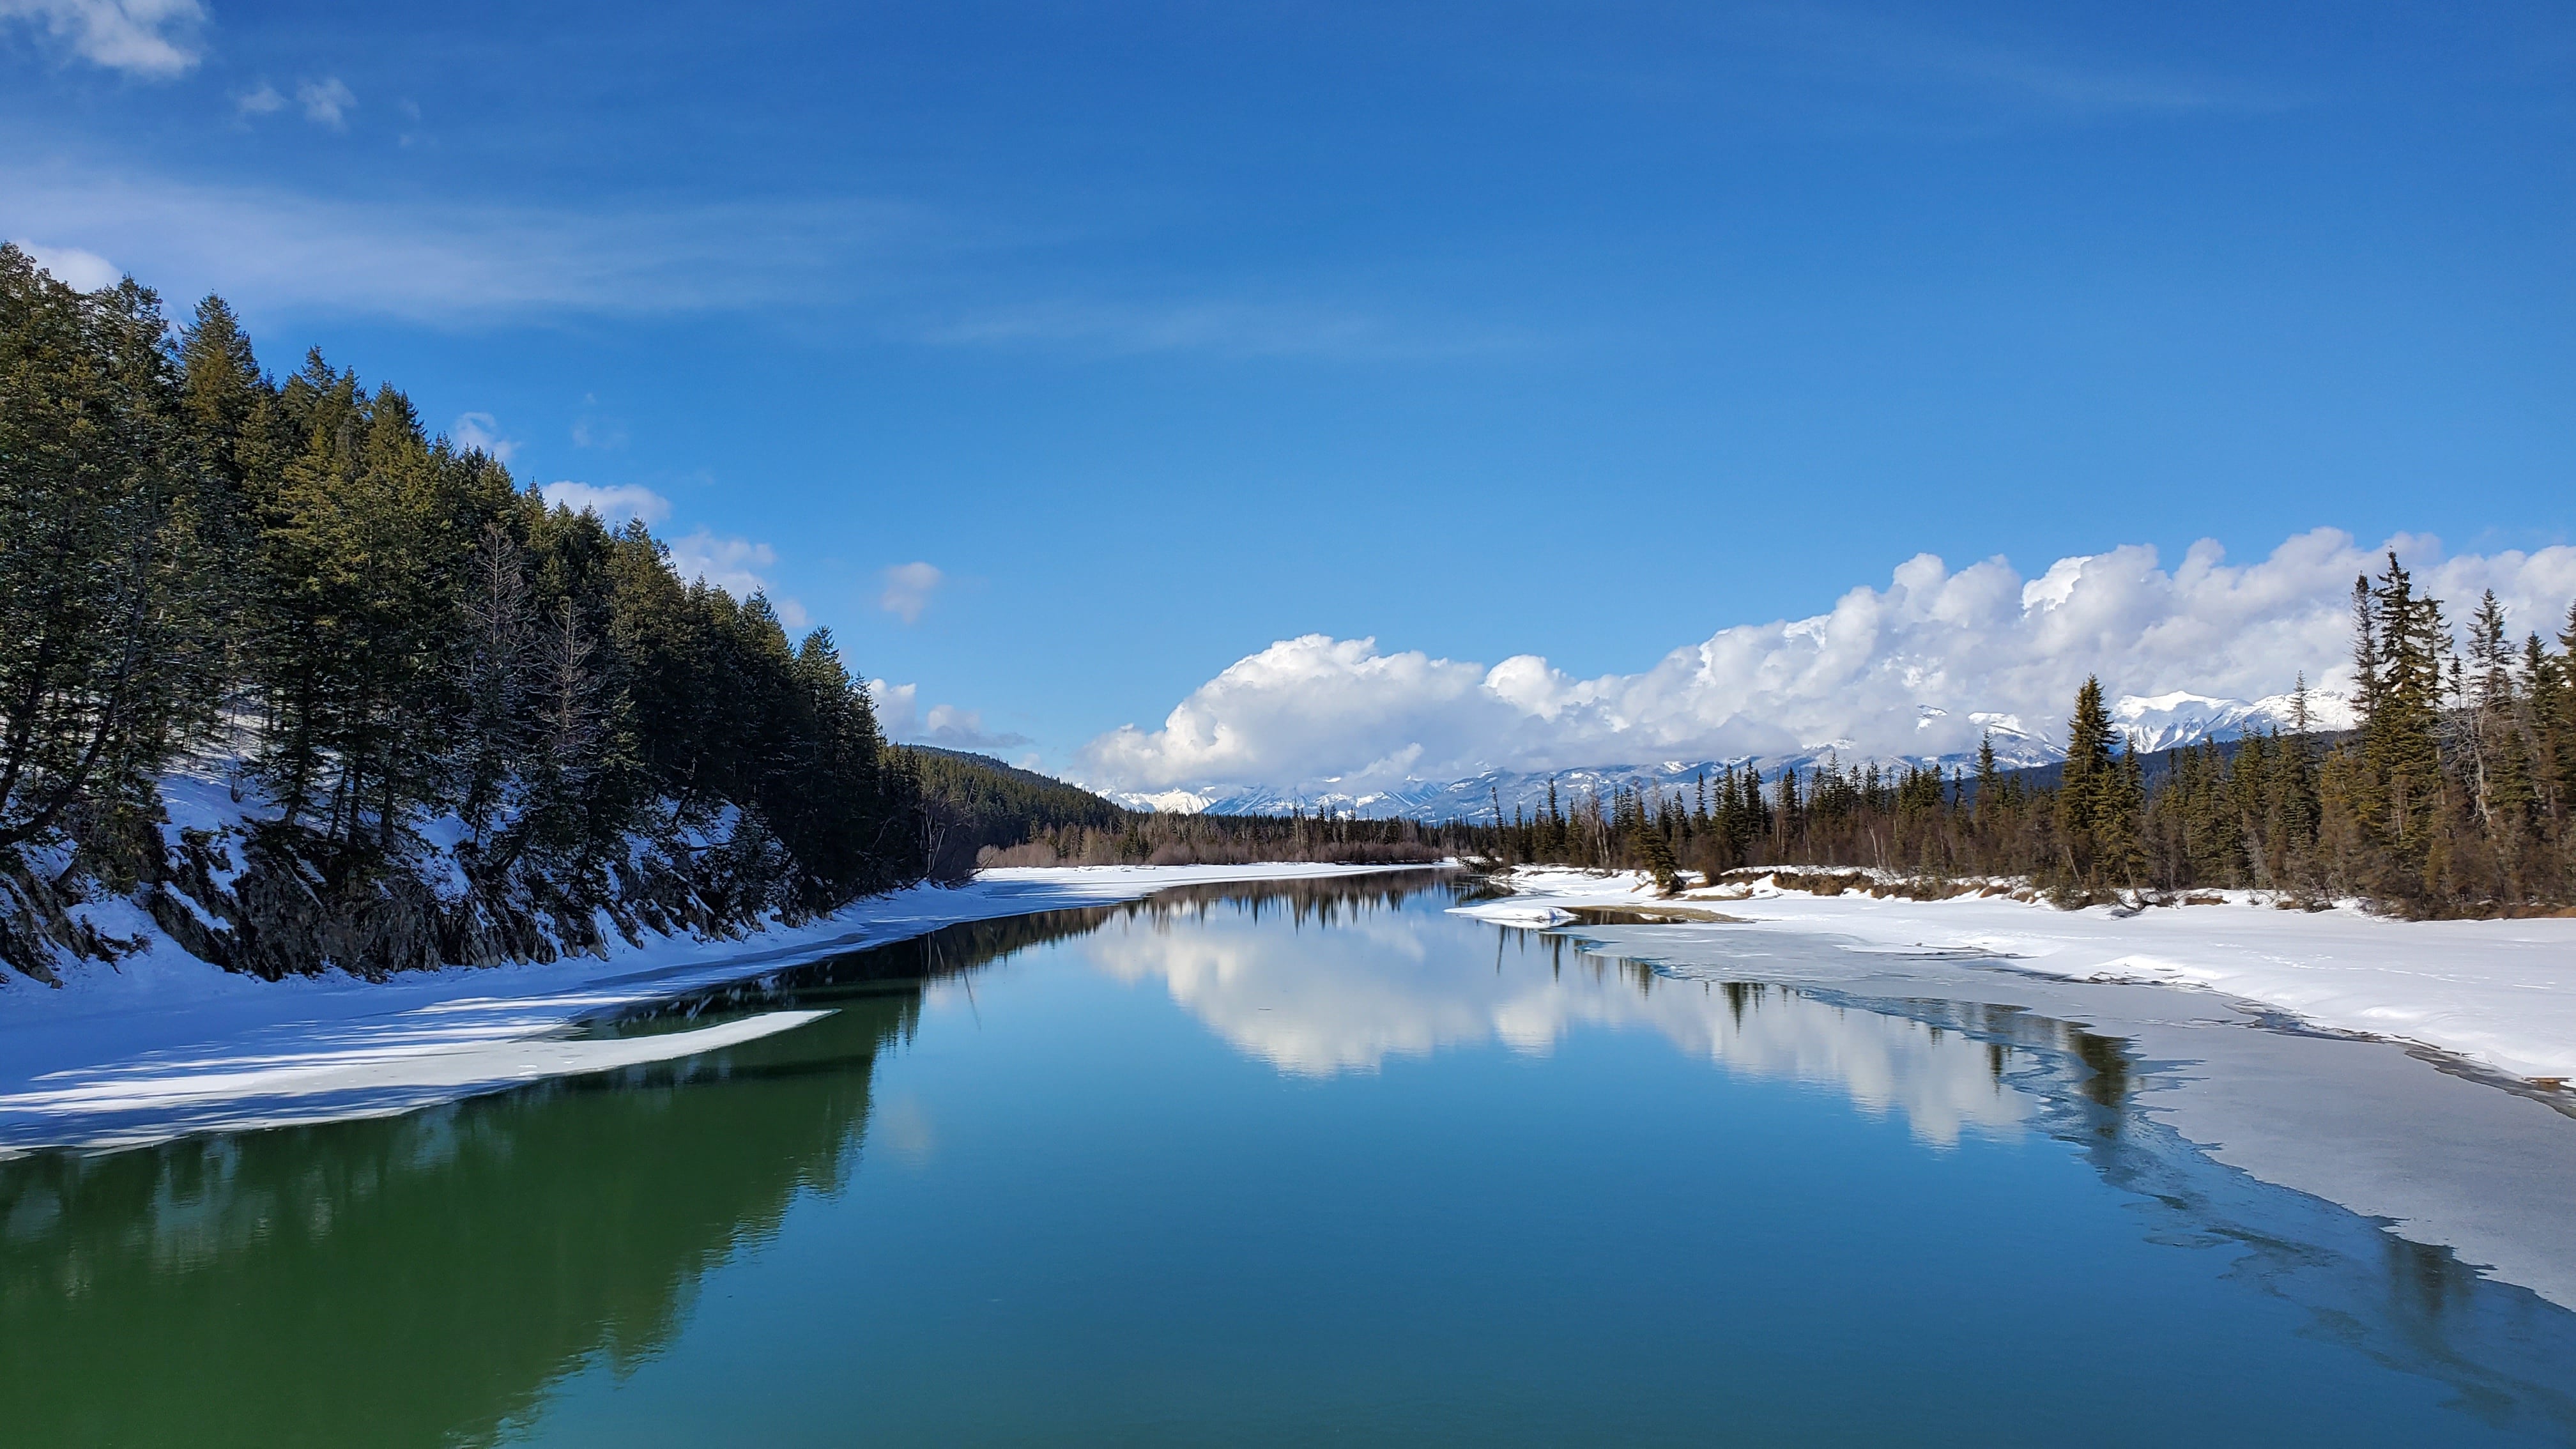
(165, 1044)
(2499, 993)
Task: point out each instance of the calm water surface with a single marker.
(1259, 1165)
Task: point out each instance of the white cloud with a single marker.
(1977, 642)
(907, 590)
(264, 101)
(482, 432)
(900, 716)
(151, 38)
(326, 102)
(74, 268)
(963, 729)
(733, 565)
(898, 708)
(624, 501)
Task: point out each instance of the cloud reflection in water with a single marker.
(1397, 984)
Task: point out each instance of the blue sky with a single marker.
(1165, 332)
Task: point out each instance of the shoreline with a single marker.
(2499, 993)
(164, 1044)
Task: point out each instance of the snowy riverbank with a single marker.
(165, 1044)
(2499, 993)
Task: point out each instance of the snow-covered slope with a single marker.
(2155, 722)
(2165, 721)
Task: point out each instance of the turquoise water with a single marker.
(1258, 1166)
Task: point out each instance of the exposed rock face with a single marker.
(272, 902)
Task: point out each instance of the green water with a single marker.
(1256, 1167)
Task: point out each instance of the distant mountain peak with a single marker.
(2153, 722)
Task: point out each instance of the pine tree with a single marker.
(2401, 763)
(95, 674)
(2087, 792)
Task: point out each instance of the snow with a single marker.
(2166, 721)
(2156, 723)
(165, 1044)
(2361, 1115)
(2499, 993)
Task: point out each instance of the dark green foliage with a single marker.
(384, 630)
(977, 803)
(99, 544)
(1154, 839)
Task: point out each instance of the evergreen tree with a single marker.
(2088, 793)
(96, 577)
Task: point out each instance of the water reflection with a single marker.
(429, 1279)
(423, 1279)
(416, 1280)
(1390, 986)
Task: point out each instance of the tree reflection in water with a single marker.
(424, 1279)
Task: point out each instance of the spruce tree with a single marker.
(96, 679)
(2086, 792)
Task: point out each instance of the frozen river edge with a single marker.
(2499, 994)
(165, 1044)
(2446, 1146)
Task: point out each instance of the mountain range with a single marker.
(2152, 723)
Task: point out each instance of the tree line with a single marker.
(1149, 838)
(2451, 797)
(383, 640)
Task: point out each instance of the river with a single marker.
(1281, 1164)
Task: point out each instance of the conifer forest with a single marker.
(463, 725)
(287, 584)
(2450, 798)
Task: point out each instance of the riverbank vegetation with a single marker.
(396, 662)
(420, 716)
(2451, 798)
(1150, 839)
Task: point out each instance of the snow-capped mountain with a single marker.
(2165, 721)
(2153, 722)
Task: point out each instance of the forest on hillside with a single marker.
(420, 716)
(2451, 798)
(376, 643)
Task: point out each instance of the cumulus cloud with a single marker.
(326, 102)
(613, 505)
(734, 565)
(901, 717)
(482, 433)
(155, 39)
(907, 590)
(83, 271)
(1920, 667)
(898, 708)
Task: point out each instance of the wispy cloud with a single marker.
(904, 271)
(1218, 327)
(633, 500)
(457, 264)
(2024, 72)
(907, 590)
(326, 102)
(153, 39)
